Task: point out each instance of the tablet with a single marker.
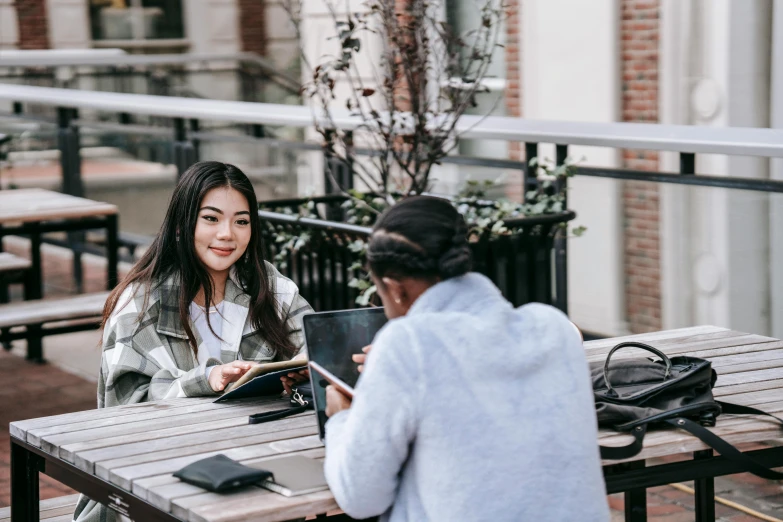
(331, 339)
(332, 379)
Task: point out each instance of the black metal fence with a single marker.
(526, 264)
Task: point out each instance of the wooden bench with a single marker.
(78, 313)
(12, 269)
(58, 509)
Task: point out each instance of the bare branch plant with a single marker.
(426, 77)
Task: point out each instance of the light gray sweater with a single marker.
(469, 409)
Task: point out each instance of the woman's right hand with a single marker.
(359, 358)
(220, 376)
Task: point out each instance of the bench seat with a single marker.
(11, 263)
(24, 313)
(58, 509)
(82, 311)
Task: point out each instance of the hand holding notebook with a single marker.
(263, 379)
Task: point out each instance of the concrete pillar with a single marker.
(575, 76)
(776, 172)
(715, 241)
(9, 25)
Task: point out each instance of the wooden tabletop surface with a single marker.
(29, 205)
(137, 447)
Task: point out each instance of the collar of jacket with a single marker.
(472, 292)
(168, 319)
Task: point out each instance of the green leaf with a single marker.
(364, 298)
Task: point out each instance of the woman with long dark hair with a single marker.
(201, 306)
(466, 408)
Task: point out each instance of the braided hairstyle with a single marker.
(422, 237)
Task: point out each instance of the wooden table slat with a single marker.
(652, 337)
(26, 205)
(681, 346)
(123, 477)
(711, 353)
(10, 262)
(52, 443)
(35, 434)
(141, 449)
(20, 428)
(162, 495)
(307, 427)
(724, 391)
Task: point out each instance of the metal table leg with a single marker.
(24, 483)
(36, 270)
(705, 492)
(112, 244)
(636, 499)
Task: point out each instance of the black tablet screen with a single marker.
(331, 338)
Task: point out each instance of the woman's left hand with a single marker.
(294, 378)
(335, 401)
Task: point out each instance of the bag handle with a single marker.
(633, 344)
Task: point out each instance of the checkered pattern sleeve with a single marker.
(137, 367)
(292, 307)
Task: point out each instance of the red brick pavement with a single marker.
(33, 390)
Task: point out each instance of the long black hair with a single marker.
(422, 237)
(173, 253)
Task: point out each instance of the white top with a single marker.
(210, 342)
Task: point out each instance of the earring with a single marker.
(398, 300)
(177, 238)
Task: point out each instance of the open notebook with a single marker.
(261, 380)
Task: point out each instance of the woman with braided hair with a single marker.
(467, 408)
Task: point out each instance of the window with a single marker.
(136, 19)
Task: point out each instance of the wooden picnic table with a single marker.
(124, 456)
(32, 212)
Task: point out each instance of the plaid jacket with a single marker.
(151, 359)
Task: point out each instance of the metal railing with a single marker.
(160, 74)
(180, 118)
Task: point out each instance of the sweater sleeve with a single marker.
(368, 444)
(133, 371)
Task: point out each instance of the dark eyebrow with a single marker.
(221, 212)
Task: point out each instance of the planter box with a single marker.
(527, 266)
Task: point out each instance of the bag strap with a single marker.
(258, 418)
(726, 449)
(738, 409)
(626, 452)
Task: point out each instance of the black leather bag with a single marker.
(632, 394)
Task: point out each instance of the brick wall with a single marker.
(639, 47)
(252, 25)
(513, 94)
(33, 24)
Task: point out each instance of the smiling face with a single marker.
(222, 230)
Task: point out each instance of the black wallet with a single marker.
(220, 473)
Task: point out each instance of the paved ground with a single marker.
(29, 391)
(67, 384)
